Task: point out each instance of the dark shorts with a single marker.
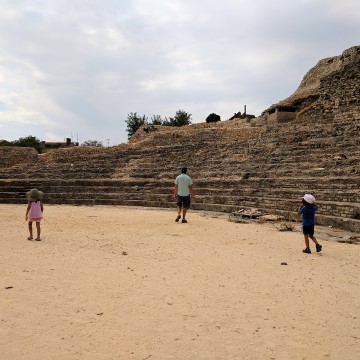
(183, 201)
(308, 229)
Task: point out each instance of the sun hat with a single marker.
(184, 169)
(309, 198)
(34, 195)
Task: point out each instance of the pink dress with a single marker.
(35, 213)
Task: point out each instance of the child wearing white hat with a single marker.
(308, 210)
(34, 211)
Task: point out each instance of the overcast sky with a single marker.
(76, 68)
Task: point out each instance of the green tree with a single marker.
(181, 118)
(29, 141)
(134, 121)
(5, 143)
(156, 120)
(167, 122)
(92, 143)
(213, 118)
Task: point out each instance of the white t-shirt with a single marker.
(183, 181)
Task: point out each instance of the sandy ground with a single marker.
(128, 283)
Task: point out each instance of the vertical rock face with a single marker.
(330, 90)
(340, 91)
(325, 68)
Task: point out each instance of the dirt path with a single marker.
(128, 283)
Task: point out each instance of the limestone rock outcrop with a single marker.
(330, 89)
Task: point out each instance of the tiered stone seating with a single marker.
(235, 165)
(272, 175)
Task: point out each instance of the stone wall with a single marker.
(278, 117)
(10, 156)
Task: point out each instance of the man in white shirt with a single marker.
(183, 191)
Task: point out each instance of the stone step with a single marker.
(331, 183)
(225, 167)
(255, 199)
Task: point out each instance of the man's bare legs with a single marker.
(178, 213)
(184, 210)
(184, 214)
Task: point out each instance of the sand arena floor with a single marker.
(128, 283)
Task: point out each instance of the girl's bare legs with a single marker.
(38, 230)
(30, 230)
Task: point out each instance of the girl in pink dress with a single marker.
(34, 211)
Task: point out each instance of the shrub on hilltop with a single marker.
(28, 141)
(213, 118)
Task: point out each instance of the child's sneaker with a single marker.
(307, 251)
(184, 220)
(318, 247)
(178, 218)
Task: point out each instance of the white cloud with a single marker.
(22, 116)
(82, 66)
(344, 9)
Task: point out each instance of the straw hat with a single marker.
(34, 195)
(309, 198)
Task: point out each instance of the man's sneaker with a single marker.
(318, 247)
(307, 251)
(178, 218)
(184, 221)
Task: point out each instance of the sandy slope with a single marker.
(209, 289)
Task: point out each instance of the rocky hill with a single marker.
(311, 145)
(332, 86)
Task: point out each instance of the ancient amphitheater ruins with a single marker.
(308, 142)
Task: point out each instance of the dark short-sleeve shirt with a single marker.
(308, 215)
